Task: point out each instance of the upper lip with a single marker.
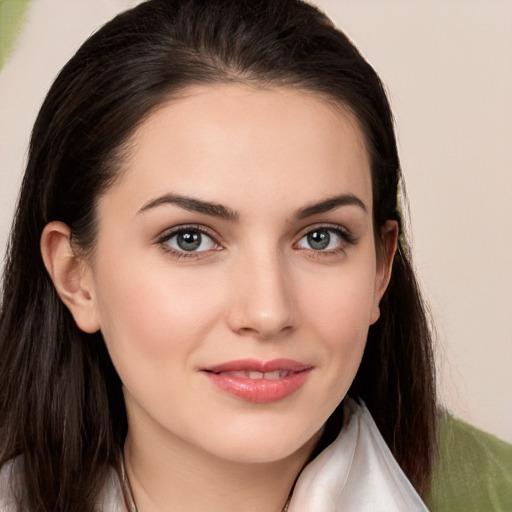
(259, 366)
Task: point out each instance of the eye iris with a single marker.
(319, 240)
(189, 240)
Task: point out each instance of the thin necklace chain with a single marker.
(127, 490)
(128, 496)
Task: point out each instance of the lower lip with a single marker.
(260, 391)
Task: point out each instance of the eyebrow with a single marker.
(330, 204)
(223, 212)
(193, 205)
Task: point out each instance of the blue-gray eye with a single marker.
(321, 239)
(190, 240)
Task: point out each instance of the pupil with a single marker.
(189, 240)
(319, 239)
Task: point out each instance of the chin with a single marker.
(257, 447)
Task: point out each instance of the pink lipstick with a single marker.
(258, 381)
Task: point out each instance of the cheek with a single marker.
(340, 305)
(150, 314)
(339, 311)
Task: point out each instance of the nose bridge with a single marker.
(262, 299)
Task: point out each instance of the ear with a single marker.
(385, 257)
(70, 274)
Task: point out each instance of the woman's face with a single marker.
(235, 273)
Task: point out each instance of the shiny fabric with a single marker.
(356, 473)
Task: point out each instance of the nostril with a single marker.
(263, 305)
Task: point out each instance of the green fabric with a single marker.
(473, 472)
(12, 13)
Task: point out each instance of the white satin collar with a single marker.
(356, 473)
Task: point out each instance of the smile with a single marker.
(257, 381)
(250, 374)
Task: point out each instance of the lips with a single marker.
(251, 374)
(259, 381)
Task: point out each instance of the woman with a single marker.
(219, 285)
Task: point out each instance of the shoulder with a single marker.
(8, 484)
(110, 499)
(473, 471)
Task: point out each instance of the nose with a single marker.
(262, 298)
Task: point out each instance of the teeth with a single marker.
(278, 374)
(239, 373)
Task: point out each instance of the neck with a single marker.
(181, 477)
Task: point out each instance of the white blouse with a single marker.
(356, 473)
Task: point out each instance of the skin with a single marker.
(256, 288)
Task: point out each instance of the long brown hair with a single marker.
(61, 401)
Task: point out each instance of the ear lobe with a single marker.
(70, 275)
(384, 265)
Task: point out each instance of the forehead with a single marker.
(237, 141)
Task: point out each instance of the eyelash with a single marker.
(346, 237)
(164, 239)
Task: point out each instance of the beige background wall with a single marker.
(448, 68)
